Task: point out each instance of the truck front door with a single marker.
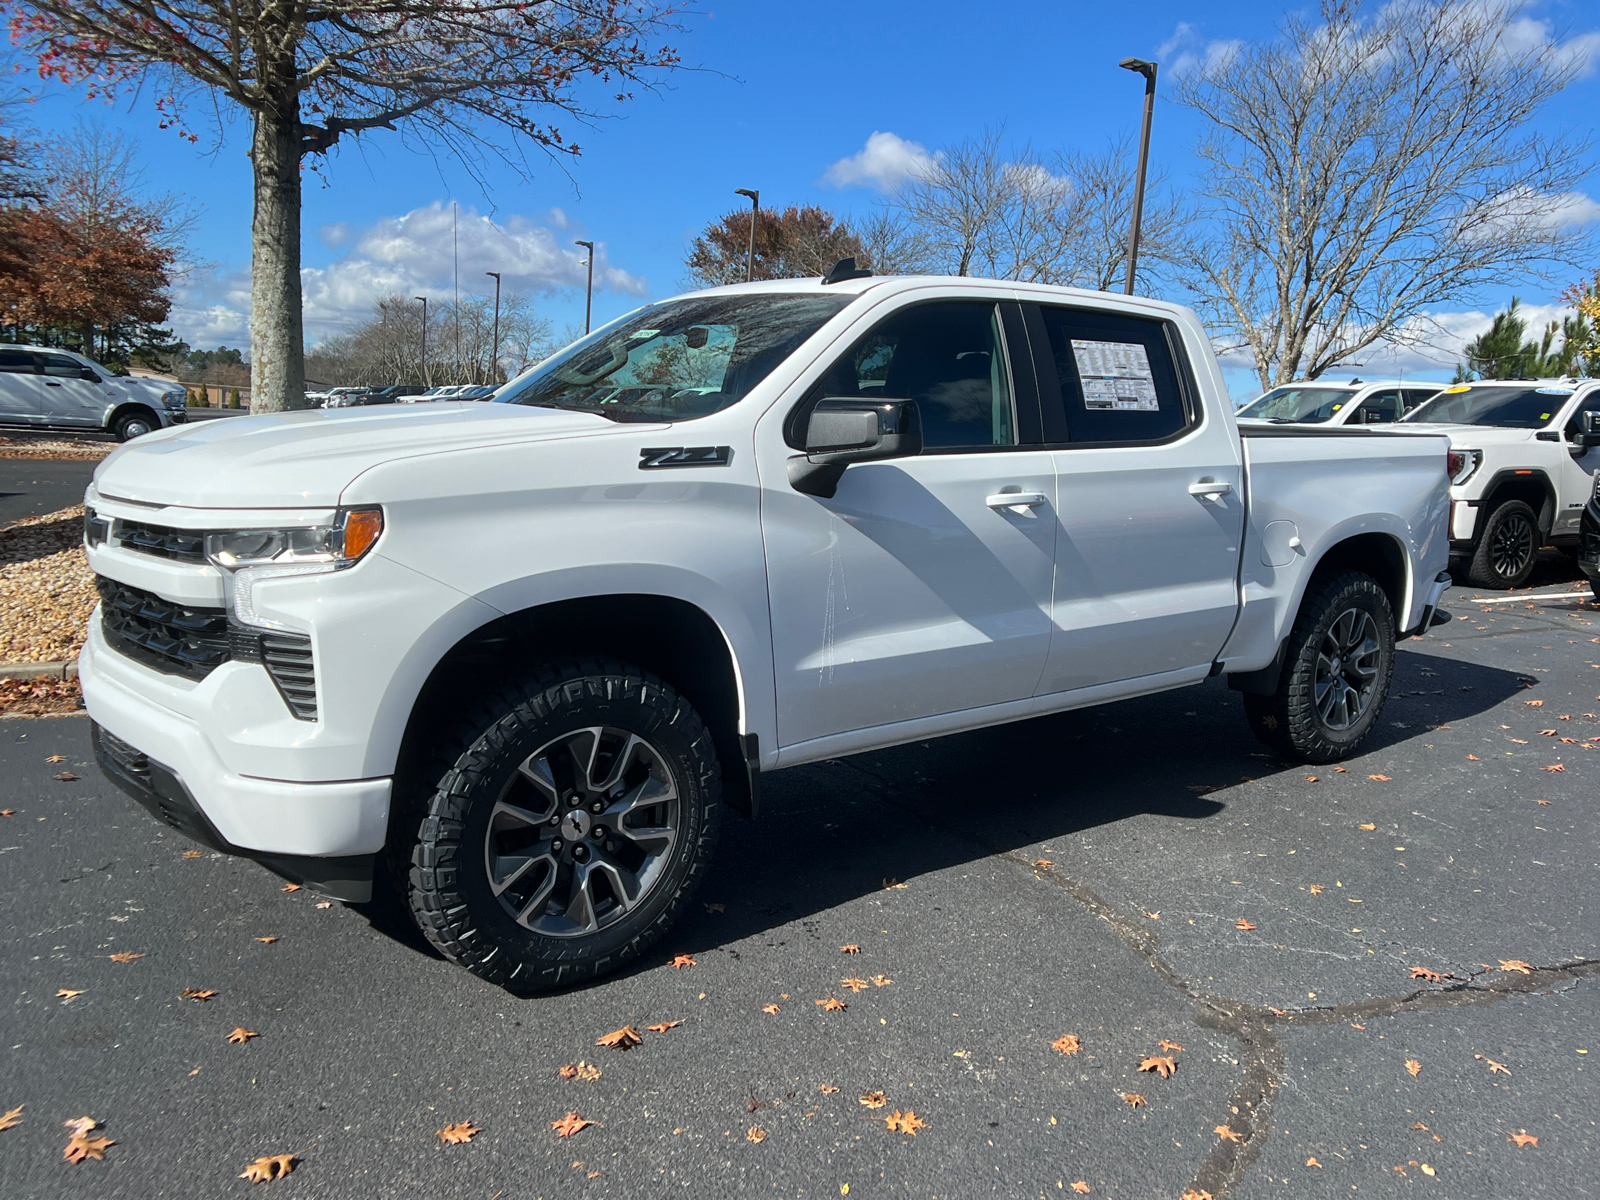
(916, 590)
(69, 398)
(1576, 470)
(1149, 497)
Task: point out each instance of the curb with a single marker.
(66, 669)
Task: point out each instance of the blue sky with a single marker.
(785, 93)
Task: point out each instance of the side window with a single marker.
(1114, 378)
(1414, 398)
(17, 362)
(948, 356)
(62, 367)
(1381, 407)
(1590, 403)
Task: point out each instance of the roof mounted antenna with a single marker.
(844, 269)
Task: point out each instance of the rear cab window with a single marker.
(1108, 378)
(17, 362)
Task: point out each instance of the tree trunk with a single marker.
(277, 342)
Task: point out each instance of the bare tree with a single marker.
(387, 346)
(1360, 171)
(308, 74)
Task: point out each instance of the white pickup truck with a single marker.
(516, 657)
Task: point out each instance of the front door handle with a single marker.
(1211, 489)
(1015, 500)
(51, 383)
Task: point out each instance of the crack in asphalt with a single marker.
(1252, 1027)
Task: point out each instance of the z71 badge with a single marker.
(685, 456)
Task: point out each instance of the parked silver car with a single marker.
(42, 388)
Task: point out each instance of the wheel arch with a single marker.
(1533, 487)
(1380, 555)
(125, 408)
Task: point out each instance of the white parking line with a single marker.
(1534, 596)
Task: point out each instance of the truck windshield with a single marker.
(675, 361)
(1507, 407)
(1308, 404)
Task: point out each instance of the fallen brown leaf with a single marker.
(81, 1147)
(241, 1035)
(455, 1134)
(79, 1125)
(201, 994)
(1430, 976)
(755, 1134)
(1523, 1139)
(12, 1119)
(1341, 770)
(1379, 778)
(55, 758)
(8, 812)
(680, 961)
(1515, 964)
(1163, 1067)
(1044, 864)
(290, 887)
(850, 948)
(828, 1089)
(1316, 889)
(1554, 767)
(770, 1009)
(1170, 1046)
(1081, 1187)
(124, 956)
(269, 1167)
(620, 1039)
(579, 1070)
(881, 981)
(831, 1004)
(1312, 1162)
(1414, 1067)
(1534, 703)
(1544, 802)
(1244, 923)
(1428, 1171)
(1369, 826)
(905, 1122)
(1497, 1067)
(854, 984)
(67, 777)
(323, 904)
(873, 1099)
(1067, 1043)
(69, 993)
(193, 854)
(266, 941)
(1473, 758)
(1547, 733)
(663, 1026)
(1191, 1194)
(1227, 1134)
(569, 1125)
(1312, 779)
(1154, 916)
(1133, 1099)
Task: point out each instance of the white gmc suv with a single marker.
(514, 658)
(1522, 467)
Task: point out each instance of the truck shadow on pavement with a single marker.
(835, 831)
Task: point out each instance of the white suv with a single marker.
(1330, 402)
(43, 388)
(1521, 470)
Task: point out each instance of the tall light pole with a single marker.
(494, 346)
(1148, 70)
(755, 211)
(588, 296)
(424, 300)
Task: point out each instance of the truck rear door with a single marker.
(1149, 499)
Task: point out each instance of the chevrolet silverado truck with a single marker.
(514, 659)
(1522, 468)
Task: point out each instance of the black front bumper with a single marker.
(160, 791)
(1589, 540)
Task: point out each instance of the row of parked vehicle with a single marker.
(1523, 461)
(399, 393)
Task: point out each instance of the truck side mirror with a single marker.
(844, 430)
(89, 374)
(1588, 433)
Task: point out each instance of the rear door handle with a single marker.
(1211, 489)
(51, 383)
(1016, 500)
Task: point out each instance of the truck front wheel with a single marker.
(1505, 554)
(1336, 672)
(570, 830)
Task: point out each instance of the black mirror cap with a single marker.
(1588, 432)
(843, 430)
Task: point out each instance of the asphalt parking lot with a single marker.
(31, 487)
(1133, 875)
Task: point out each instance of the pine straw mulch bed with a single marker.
(46, 588)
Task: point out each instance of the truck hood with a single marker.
(307, 459)
(1470, 437)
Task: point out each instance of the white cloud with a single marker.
(413, 255)
(1524, 209)
(884, 163)
(1186, 52)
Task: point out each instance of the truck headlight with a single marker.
(252, 556)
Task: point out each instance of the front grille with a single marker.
(288, 660)
(174, 638)
(184, 545)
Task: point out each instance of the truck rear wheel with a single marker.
(570, 830)
(1336, 672)
(1505, 554)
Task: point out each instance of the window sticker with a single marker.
(1116, 376)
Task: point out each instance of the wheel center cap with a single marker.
(575, 825)
(1337, 666)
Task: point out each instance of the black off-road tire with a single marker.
(1513, 521)
(1290, 721)
(448, 881)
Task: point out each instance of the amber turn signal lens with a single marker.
(361, 528)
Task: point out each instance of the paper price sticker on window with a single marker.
(1116, 376)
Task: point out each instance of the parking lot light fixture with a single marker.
(588, 295)
(755, 212)
(424, 300)
(494, 344)
(1148, 70)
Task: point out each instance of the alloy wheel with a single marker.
(583, 831)
(1511, 545)
(1347, 672)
